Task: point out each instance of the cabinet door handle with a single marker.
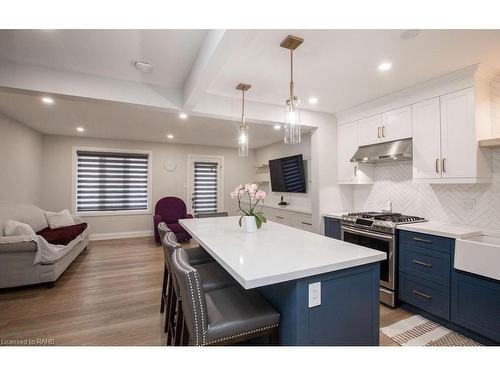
(383, 131)
(428, 265)
(378, 132)
(437, 165)
(280, 217)
(305, 223)
(421, 294)
(444, 165)
(421, 240)
(355, 170)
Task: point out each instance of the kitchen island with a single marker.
(327, 291)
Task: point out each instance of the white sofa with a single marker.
(17, 257)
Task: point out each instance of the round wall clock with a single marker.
(170, 165)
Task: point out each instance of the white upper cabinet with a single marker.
(396, 124)
(426, 118)
(445, 139)
(347, 145)
(370, 130)
(385, 127)
(458, 135)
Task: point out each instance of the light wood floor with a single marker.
(110, 295)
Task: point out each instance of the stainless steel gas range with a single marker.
(378, 230)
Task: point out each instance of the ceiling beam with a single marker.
(218, 48)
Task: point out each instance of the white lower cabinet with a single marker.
(293, 219)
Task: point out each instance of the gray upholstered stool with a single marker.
(212, 277)
(222, 316)
(196, 256)
(211, 214)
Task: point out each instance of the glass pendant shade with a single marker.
(291, 126)
(243, 141)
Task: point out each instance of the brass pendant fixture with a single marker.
(292, 115)
(243, 131)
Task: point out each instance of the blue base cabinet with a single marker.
(429, 284)
(475, 304)
(332, 228)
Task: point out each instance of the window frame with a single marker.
(220, 186)
(74, 177)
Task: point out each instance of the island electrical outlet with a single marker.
(314, 294)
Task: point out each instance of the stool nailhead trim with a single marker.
(242, 334)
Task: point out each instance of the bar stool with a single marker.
(196, 255)
(212, 277)
(223, 316)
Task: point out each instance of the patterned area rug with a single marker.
(418, 331)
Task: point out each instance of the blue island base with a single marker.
(348, 314)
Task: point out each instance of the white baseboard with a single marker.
(117, 235)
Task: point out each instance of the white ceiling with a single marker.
(339, 67)
(103, 119)
(108, 53)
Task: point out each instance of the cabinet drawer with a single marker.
(428, 296)
(427, 241)
(427, 264)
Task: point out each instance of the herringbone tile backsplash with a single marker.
(474, 204)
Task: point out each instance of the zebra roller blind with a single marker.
(205, 187)
(111, 181)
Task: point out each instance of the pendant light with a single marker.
(292, 115)
(243, 131)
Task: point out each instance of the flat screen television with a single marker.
(287, 174)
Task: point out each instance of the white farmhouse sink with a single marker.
(479, 254)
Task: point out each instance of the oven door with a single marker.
(376, 241)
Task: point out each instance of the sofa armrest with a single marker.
(18, 247)
(188, 216)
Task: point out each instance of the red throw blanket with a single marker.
(63, 235)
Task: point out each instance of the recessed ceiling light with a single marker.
(385, 66)
(313, 100)
(143, 66)
(410, 34)
(80, 129)
(170, 136)
(277, 127)
(47, 100)
(183, 116)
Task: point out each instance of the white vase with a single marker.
(250, 224)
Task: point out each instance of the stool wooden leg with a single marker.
(178, 324)
(275, 336)
(169, 316)
(185, 334)
(163, 289)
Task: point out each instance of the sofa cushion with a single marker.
(24, 213)
(63, 235)
(176, 227)
(59, 219)
(16, 228)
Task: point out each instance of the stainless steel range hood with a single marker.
(384, 152)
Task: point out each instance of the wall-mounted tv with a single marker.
(287, 174)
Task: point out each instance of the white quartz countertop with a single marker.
(276, 252)
(333, 215)
(442, 229)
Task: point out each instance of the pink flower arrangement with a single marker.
(255, 196)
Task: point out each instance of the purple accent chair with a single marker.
(170, 210)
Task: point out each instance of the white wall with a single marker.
(20, 162)
(471, 204)
(280, 150)
(57, 172)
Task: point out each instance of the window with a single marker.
(206, 177)
(112, 181)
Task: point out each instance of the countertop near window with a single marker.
(333, 215)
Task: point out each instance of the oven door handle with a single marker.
(368, 234)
